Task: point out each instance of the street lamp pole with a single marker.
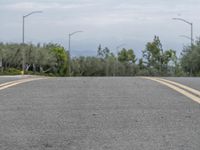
(185, 36)
(69, 49)
(191, 24)
(23, 37)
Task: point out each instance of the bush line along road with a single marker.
(99, 113)
(54, 60)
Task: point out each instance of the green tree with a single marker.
(61, 58)
(127, 61)
(127, 56)
(152, 53)
(156, 58)
(190, 60)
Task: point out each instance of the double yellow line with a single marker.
(16, 82)
(185, 90)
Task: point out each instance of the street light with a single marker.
(191, 37)
(23, 26)
(69, 49)
(117, 48)
(185, 36)
(190, 23)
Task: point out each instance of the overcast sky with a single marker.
(106, 22)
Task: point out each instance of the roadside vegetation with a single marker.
(53, 60)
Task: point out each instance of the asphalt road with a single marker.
(4, 79)
(191, 82)
(98, 114)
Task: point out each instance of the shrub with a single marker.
(11, 71)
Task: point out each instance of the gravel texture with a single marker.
(121, 113)
(188, 81)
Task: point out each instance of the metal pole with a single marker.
(69, 64)
(191, 24)
(23, 30)
(191, 35)
(117, 48)
(185, 36)
(69, 44)
(116, 72)
(191, 69)
(23, 53)
(23, 38)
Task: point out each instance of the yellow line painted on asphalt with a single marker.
(14, 83)
(10, 82)
(3, 84)
(182, 91)
(194, 91)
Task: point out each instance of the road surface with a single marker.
(114, 113)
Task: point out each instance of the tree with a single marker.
(48, 58)
(152, 53)
(61, 58)
(99, 51)
(141, 64)
(190, 60)
(131, 56)
(127, 61)
(103, 53)
(156, 58)
(127, 56)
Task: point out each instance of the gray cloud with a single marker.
(110, 22)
